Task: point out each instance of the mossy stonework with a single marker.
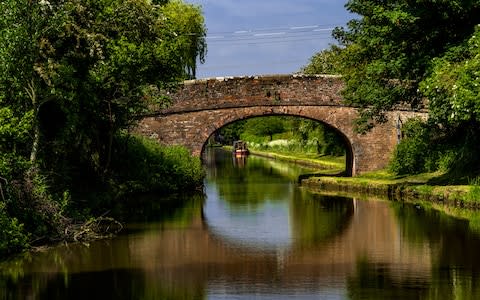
(201, 107)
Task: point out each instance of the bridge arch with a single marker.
(349, 161)
(200, 107)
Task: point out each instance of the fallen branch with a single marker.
(100, 227)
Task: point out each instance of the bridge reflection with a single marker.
(188, 260)
(196, 256)
(372, 232)
(316, 245)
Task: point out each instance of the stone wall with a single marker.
(229, 92)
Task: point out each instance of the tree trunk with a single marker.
(36, 142)
(110, 139)
(30, 89)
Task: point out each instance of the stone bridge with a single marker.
(201, 107)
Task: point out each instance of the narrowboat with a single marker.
(240, 148)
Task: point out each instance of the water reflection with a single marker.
(255, 205)
(317, 218)
(259, 236)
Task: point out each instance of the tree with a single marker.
(230, 133)
(326, 61)
(388, 49)
(266, 126)
(328, 142)
(453, 85)
(74, 74)
(82, 70)
(187, 25)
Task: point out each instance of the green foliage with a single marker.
(231, 132)
(406, 52)
(80, 71)
(412, 151)
(13, 238)
(267, 126)
(188, 24)
(14, 129)
(73, 75)
(389, 47)
(427, 148)
(286, 135)
(38, 207)
(325, 140)
(324, 62)
(144, 165)
(453, 86)
(474, 192)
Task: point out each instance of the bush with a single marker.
(32, 202)
(144, 165)
(428, 148)
(30, 205)
(412, 152)
(474, 192)
(27, 204)
(12, 235)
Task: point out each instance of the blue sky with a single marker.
(256, 37)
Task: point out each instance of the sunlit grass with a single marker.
(325, 162)
(415, 186)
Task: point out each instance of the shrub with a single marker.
(411, 154)
(12, 235)
(474, 192)
(31, 201)
(145, 165)
(27, 203)
(428, 147)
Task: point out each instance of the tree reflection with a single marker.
(454, 248)
(111, 284)
(376, 281)
(456, 273)
(100, 269)
(252, 183)
(318, 218)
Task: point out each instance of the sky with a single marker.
(261, 37)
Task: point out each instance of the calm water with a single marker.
(256, 235)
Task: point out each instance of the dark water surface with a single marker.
(257, 235)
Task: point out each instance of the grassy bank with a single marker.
(421, 187)
(405, 188)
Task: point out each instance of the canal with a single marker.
(255, 234)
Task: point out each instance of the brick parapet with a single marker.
(275, 90)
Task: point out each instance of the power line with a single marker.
(295, 27)
(271, 37)
(268, 35)
(269, 41)
(304, 30)
(277, 41)
(264, 36)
